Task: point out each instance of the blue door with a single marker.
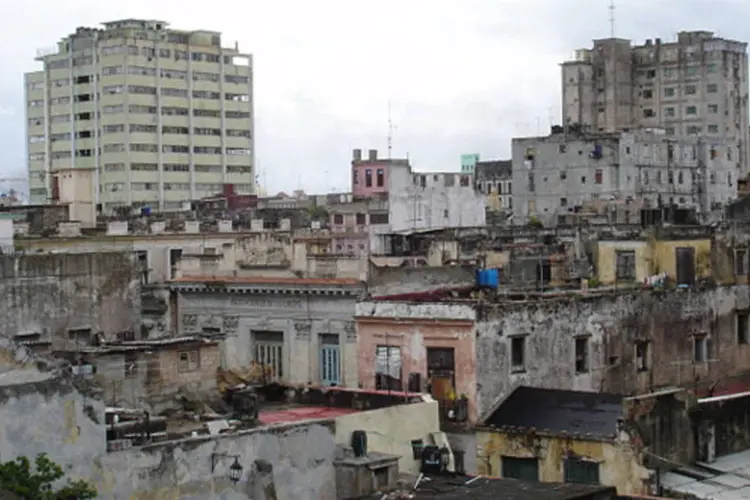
(330, 372)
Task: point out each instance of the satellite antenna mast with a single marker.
(390, 130)
(611, 18)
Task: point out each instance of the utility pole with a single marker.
(611, 18)
(390, 130)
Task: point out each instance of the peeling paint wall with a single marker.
(619, 464)
(667, 321)
(50, 294)
(415, 328)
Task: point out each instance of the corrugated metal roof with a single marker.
(727, 478)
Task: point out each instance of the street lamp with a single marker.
(235, 470)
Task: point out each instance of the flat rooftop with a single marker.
(482, 488)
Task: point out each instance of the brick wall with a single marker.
(173, 370)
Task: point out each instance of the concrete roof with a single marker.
(728, 478)
(481, 488)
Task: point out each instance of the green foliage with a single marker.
(535, 222)
(35, 483)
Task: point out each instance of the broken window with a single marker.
(742, 325)
(582, 354)
(641, 356)
(189, 360)
(625, 265)
(518, 354)
(464, 180)
(380, 177)
(388, 367)
(368, 178)
(740, 262)
(581, 471)
(131, 365)
(700, 348)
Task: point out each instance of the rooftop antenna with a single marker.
(611, 18)
(390, 130)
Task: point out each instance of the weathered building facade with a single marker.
(67, 299)
(303, 328)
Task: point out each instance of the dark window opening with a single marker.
(380, 177)
(625, 265)
(518, 354)
(641, 356)
(742, 328)
(582, 355)
(368, 178)
(581, 471)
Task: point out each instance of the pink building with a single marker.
(371, 176)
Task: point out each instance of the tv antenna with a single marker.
(611, 18)
(390, 130)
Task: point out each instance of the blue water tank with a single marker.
(487, 278)
(145, 211)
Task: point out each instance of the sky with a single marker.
(461, 76)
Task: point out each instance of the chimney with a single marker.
(372, 155)
(357, 155)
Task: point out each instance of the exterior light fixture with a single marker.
(235, 470)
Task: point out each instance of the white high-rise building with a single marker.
(158, 116)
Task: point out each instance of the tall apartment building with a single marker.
(157, 116)
(569, 173)
(697, 85)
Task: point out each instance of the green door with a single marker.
(525, 469)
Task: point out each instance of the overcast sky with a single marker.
(462, 76)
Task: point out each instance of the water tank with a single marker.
(145, 211)
(488, 278)
(359, 443)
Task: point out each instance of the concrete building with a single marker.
(300, 327)
(468, 162)
(399, 199)
(697, 85)
(158, 116)
(494, 178)
(558, 174)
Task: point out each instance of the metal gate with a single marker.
(330, 373)
(271, 354)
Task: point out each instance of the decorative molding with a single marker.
(230, 324)
(351, 331)
(303, 329)
(190, 321)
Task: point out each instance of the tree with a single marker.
(17, 477)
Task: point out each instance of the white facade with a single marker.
(160, 116)
(556, 175)
(6, 234)
(697, 85)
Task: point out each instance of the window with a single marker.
(669, 92)
(563, 202)
(379, 218)
(742, 327)
(388, 367)
(625, 265)
(690, 90)
(582, 354)
(338, 219)
(237, 151)
(669, 130)
(113, 129)
(236, 79)
(144, 148)
(598, 176)
(700, 348)
(379, 177)
(171, 92)
(517, 354)
(525, 469)
(236, 114)
(581, 471)
(713, 129)
(712, 88)
(648, 113)
(740, 262)
(361, 219)
(691, 110)
(693, 130)
(141, 89)
(189, 361)
(237, 97)
(648, 94)
(368, 178)
(641, 356)
(713, 109)
(669, 112)
(113, 148)
(710, 68)
(142, 129)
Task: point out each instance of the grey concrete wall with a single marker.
(612, 324)
(300, 317)
(50, 294)
(392, 281)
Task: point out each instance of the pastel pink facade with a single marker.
(371, 175)
(441, 351)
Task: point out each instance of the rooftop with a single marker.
(728, 478)
(588, 414)
(480, 488)
(262, 280)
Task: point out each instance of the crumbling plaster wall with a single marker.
(52, 293)
(666, 320)
(296, 459)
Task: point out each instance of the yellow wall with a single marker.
(391, 430)
(651, 258)
(618, 467)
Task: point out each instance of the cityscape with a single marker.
(570, 321)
